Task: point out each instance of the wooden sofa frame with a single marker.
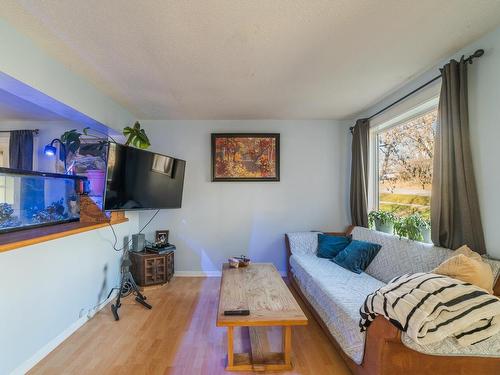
(385, 353)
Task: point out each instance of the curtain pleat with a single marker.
(21, 149)
(359, 173)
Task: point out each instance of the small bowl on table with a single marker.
(233, 262)
(244, 261)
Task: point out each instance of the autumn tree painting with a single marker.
(239, 157)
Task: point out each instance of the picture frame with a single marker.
(239, 157)
(161, 236)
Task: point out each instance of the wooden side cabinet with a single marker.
(151, 268)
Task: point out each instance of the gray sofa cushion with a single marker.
(399, 256)
(303, 242)
(336, 294)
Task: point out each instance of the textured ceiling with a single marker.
(250, 59)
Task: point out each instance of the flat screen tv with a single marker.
(141, 180)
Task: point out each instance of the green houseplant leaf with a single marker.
(384, 217)
(136, 136)
(411, 227)
(382, 221)
(71, 140)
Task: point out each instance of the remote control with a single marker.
(237, 312)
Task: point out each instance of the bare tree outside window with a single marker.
(405, 155)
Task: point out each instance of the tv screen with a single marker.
(140, 180)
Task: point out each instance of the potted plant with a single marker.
(87, 156)
(382, 220)
(425, 228)
(413, 227)
(136, 136)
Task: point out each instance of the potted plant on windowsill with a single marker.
(413, 227)
(383, 221)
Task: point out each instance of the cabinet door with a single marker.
(170, 266)
(149, 271)
(161, 270)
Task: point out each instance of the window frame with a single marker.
(4, 145)
(397, 119)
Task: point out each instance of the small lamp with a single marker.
(50, 150)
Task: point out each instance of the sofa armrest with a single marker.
(289, 251)
(379, 335)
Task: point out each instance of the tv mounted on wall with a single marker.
(141, 180)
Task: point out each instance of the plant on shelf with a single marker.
(413, 227)
(136, 136)
(73, 142)
(383, 221)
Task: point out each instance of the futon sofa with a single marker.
(335, 295)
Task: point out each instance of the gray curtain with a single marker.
(21, 149)
(456, 218)
(359, 173)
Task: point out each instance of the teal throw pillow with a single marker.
(329, 245)
(357, 255)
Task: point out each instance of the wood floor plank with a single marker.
(178, 336)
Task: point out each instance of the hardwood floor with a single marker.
(178, 336)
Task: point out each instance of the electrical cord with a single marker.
(129, 241)
(114, 247)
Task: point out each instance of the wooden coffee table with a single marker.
(260, 289)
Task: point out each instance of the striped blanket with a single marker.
(431, 307)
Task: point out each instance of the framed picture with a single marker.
(245, 157)
(161, 237)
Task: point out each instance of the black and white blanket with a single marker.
(431, 307)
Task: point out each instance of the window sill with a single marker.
(15, 240)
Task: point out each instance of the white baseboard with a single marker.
(55, 342)
(207, 273)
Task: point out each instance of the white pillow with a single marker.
(302, 243)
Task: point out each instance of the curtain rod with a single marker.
(478, 53)
(36, 131)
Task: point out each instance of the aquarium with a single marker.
(30, 199)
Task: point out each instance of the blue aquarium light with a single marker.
(50, 150)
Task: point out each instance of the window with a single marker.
(5, 196)
(402, 149)
(4, 151)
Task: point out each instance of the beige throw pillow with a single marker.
(465, 250)
(468, 269)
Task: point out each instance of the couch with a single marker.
(335, 294)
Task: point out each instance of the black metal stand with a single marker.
(127, 286)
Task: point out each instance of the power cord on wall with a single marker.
(129, 241)
(91, 310)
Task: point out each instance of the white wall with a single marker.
(48, 289)
(484, 117)
(220, 219)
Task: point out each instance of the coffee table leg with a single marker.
(287, 345)
(230, 347)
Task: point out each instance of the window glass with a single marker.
(404, 153)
